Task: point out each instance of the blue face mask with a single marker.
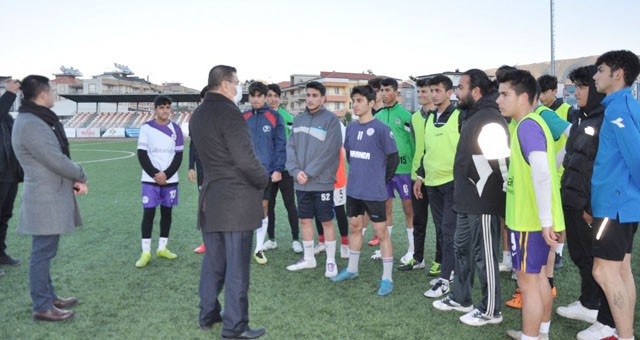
(238, 96)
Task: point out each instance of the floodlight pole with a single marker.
(553, 36)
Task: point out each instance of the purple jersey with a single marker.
(367, 146)
(531, 138)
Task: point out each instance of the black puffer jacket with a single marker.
(10, 170)
(582, 146)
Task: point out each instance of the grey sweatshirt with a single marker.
(314, 147)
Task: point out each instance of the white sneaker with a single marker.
(448, 304)
(518, 335)
(434, 281)
(477, 318)
(596, 331)
(344, 251)
(320, 247)
(377, 255)
(440, 288)
(505, 266)
(577, 311)
(302, 264)
(407, 257)
(331, 269)
(268, 245)
(296, 246)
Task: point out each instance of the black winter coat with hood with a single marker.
(581, 147)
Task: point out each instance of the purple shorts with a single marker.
(402, 184)
(155, 195)
(529, 251)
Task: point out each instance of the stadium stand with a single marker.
(107, 120)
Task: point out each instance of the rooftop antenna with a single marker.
(124, 69)
(70, 71)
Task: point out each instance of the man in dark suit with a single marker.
(230, 205)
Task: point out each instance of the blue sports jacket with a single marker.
(615, 185)
(267, 133)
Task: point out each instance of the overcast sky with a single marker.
(179, 41)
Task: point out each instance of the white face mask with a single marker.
(238, 96)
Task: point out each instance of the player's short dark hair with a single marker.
(422, 82)
(547, 82)
(258, 87)
(316, 86)
(220, 73)
(622, 59)
(375, 83)
(521, 81)
(33, 85)
(479, 79)
(365, 91)
(441, 79)
(504, 68)
(161, 100)
(582, 76)
(204, 91)
(389, 82)
(275, 88)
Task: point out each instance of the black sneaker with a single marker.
(6, 260)
(558, 263)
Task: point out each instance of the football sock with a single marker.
(354, 257)
(410, 238)
(545, 326)
(308, 250)
(559, 248)
(261, 233)
(506, 257)
(162, 243)
(146, 244)
(387, 267)
(331, 250)
(344, 239)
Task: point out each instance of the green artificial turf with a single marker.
(118, 301)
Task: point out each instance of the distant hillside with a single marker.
(563, 67)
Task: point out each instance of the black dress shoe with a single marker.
(248, 334)
(206, 326)
(53, 314)
(6, 260)
(63, 303)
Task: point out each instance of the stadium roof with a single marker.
(131, 98)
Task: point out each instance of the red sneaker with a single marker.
(374, 241)
(200, 249)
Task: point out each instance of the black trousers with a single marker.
(441, 201)
(226, 264)
(476, 244)
(8, 192)
(579, 235)
(420, 220)
(288, 196)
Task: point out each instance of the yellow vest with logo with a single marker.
(440, 144)
(417, 123)
(522, 209)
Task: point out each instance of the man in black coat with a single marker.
(10, 171)
(230, 205)
(581, 148)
